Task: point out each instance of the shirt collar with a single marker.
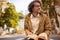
(33, 16)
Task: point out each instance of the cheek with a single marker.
(36, 9)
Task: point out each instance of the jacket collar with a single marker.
(33, 16)
(40, 21)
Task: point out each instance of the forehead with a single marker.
(36, 3)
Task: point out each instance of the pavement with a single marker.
(22, 36)
(55, 37)
(13, 37)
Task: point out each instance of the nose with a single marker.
(39, 8)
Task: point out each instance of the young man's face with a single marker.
(37, 7)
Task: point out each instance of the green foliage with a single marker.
(21, 16)
(47, 6)
(10, 17)
(2, 20)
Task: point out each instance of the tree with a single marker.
(21, 16)
(2, 20)
(10, 16)
(49, 7)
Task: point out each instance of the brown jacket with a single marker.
(44, 24)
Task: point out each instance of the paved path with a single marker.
(21, 37)
(12, 37)
(55, 37)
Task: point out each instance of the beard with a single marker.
(40, 11)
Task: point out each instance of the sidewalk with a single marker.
(22, 36)
(12, 37)
(55, 35)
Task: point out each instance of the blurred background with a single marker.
(12, 13)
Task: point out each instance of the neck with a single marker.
(34, 14)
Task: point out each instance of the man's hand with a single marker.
(33, 36)
(28, 32)
(43, 36)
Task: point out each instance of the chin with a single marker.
(38, 11)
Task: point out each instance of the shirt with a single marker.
(35, 22)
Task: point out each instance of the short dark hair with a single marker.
(31, 5)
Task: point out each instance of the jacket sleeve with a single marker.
(26, 26)
(47, 25)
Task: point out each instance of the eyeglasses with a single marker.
(37, 6)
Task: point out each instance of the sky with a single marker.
(21, 5)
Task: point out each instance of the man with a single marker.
(36, 25)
